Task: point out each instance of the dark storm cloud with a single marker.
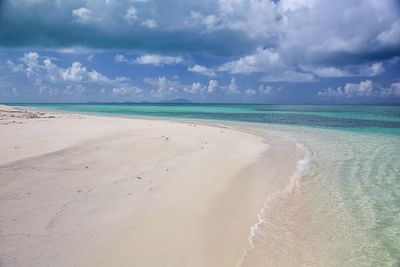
(233, 41)
(49, 24)
(305, 31)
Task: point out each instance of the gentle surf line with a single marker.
(294, 183)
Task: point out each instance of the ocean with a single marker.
(345, 207)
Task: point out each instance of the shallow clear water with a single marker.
(346, 209)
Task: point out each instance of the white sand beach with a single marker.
(80, 190)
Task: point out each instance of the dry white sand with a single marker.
(78, 190)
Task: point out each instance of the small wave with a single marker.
(294, 183)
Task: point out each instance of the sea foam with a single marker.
(293, 184)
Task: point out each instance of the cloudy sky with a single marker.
(258, 51)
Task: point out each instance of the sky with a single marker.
(214, 51)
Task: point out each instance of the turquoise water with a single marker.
(385, 119)
(347, 209)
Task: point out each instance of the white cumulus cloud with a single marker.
(159, 60)
(202, 70)
(365, 88)
(263, 60)
(150, 23)
(131, 15)
(82, 14)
